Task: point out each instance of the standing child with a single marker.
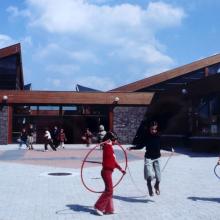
(62, 137)
(104, 204)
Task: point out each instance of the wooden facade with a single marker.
(184, 100)
(11, 71)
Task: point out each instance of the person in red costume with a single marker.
(104, 204)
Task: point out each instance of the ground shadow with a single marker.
(141, 199)
(75, 208)
(193, 198)
(190, 153)
(80, 208)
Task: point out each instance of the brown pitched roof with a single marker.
(144, 83)
(14, 50)
(11, 50)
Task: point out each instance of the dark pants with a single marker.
(50, 142)
(105, 201)
(56, 142)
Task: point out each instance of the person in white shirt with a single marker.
(101, 133)
(48, 140)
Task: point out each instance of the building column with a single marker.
(10, 120)
(3, 124)
(110, 117)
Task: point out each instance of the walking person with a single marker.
(23, 139)
(87, 137)
(55, 136)
(48, 140)
(62, 137)
(31, 132)
(104, 204)
(151, 141)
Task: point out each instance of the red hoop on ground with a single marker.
(217, 170)
(98, 162)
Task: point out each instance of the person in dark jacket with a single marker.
(151, 141)
(23, 139)
(104, 204)
(55, 136)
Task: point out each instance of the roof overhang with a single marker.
(68, 98)
(170, 74)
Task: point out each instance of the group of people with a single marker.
(150, 139)
(89, 138)
(27, 137)
(55, 138)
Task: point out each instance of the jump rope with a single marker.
(215, 171)
(125, 168)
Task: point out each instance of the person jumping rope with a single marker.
(151, 141)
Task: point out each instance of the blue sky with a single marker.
(104, 44)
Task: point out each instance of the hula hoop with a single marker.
(89, 161)
(215, 171)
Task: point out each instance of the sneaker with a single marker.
(157, 191)
(151, 193)
(109, 213)
(98, 212)
(45, 150)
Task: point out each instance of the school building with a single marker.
(185, 101)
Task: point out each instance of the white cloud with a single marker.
(164, 15)
(79, 16)
(5, 40)
(88, 34)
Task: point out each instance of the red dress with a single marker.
(105, 201)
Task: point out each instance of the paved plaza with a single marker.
(189, 188)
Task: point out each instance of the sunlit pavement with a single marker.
(189, 188)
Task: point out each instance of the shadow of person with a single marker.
(133, 199)
(75, 208)
(80, 208)
(204, 199)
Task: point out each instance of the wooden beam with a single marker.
(70, 98)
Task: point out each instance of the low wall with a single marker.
(126, 122)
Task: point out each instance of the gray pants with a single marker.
(151, 168)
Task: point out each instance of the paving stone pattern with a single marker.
(189, 188)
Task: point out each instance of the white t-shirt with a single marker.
(47, 135)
